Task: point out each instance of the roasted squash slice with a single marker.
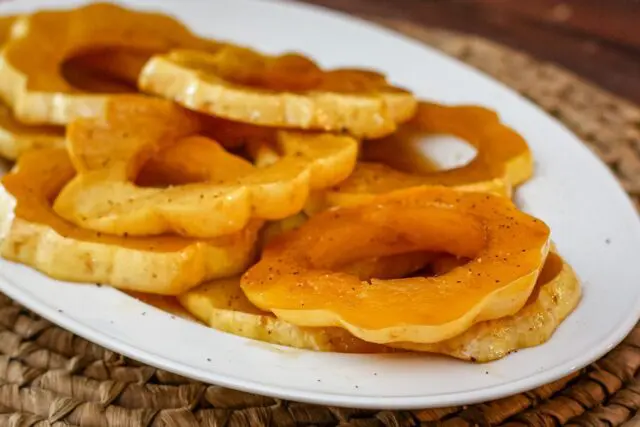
(222, 305)
(36, 236)
(110, 151)
(298, 278)
(16, 137)
(556, 294)
(503, 158)
(289, 91)
(31, 81)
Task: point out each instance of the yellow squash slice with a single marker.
(222, 305)
(31, 79)
(503, 158)
(109, 152)
(34, 235)
(556, 294)
(289, 91)
(298, 277)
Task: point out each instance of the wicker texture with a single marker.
(49, 377)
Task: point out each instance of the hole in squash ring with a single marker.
(297, 280)
(419, 153)
(84, 75)
(120, 65)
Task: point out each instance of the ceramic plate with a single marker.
(594, 225)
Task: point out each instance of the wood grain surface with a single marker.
(597, 39)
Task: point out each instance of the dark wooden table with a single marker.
(597, 39)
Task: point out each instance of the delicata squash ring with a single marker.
(31, 81)
(109, 151)
(16, 137)
(503, 158)
(289, 91)
(34, 235)
(298, 280)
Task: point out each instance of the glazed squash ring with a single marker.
(298, 280)
(108, 152)
(31, 81)
(288, 91)
(34, 235)
(503, 159)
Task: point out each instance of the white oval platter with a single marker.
(594, 225)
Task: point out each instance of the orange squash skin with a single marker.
(297, 280)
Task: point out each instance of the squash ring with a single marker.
(31, 81)
(297, 277)
(33, 234)
(503, 158)
(557, 293)
(108, 152)
(221, 305)
(287, 91)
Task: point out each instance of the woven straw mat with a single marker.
(49, 377)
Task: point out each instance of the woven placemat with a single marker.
(49, 377)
